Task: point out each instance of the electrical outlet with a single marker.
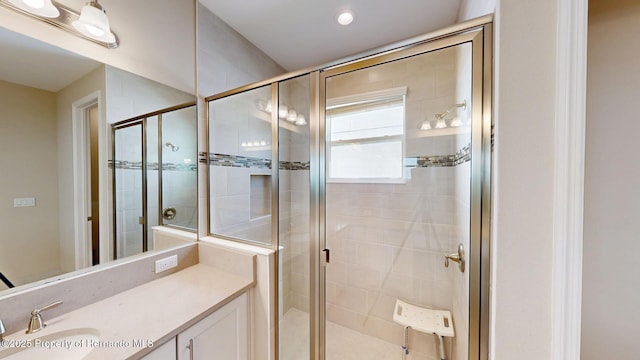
(166, 263)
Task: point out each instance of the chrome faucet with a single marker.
(3, 330)
(36, 324)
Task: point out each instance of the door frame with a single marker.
(481, 38)
(81, 186)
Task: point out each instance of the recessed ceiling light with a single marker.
(345, 17)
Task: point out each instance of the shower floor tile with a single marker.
(342, 343)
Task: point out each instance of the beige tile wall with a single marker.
(388, 241)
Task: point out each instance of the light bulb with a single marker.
(268, 107)
(95, 31)
(35, 4)
(292, 115)
(425, 125)
(441, 124)
(283, 111)
(301, 120)
(94, 23)
(42, 8)
(456, 122)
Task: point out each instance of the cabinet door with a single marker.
(222, 335)
(166, 351)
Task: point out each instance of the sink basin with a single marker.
(64, 345)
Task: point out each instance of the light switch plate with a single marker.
(24, 202)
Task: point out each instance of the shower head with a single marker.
(173, 148)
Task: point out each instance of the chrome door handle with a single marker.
(169, 213)
(456, 257)
(190, 347)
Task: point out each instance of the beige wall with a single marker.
(129, 95)
(226, 60)
(610, 315)
(470, 9)
(523, 179)
(28, 235)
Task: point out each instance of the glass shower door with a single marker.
(294, 240)
(129, 190)
(178, 161)
(398, 200)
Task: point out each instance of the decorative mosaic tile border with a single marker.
(463, 155)
(460, 157)
(434, 161)
(249, 162)
(239, 161)
(137, 165)
(295, 165)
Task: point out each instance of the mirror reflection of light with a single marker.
(441, 124)
(301, 120)
(425, 125)
(254, 143)
(456, 122)
(283, 111)
(94, 30)
(36, 4)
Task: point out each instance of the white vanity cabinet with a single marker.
(222, 335)
(166, 351)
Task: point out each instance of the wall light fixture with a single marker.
(441, 118)
(91, 23)
(42, 8)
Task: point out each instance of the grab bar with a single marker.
(6, 281)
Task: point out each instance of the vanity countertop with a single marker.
(153, 312)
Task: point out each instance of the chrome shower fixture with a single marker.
(442, 115)
(91, 23)
(173, 148)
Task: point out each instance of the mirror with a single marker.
(58, 116)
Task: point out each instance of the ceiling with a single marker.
(33, 63)
(303, 33)
(297, 34)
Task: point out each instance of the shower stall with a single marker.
(370, 178)
(154, 177)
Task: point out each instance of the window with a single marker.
(366, 137)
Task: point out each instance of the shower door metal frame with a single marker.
(134, 121)
(478, 32)
(159, 113)
(139, 121)
(479, 36)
